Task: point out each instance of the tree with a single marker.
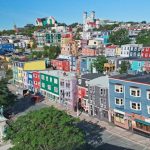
(143, 38)
(99, 63)
(124, 67)
(45, 129)
(6, 97)
(143, 22)
(119, 37)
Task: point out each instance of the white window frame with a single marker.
(120, 101)
(147, 95)
(55, 90)
(136, 105)
(49, 87)
(119, 88)
(42, 77)
(136, 89)
(46, 78)
(55, 81)
(43, 85)
(50, 79)
(148, 109)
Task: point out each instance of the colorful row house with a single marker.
(83, 90)
(140, 65)
(23, 73)
(85, 64)
(70, 48)
(89, 51)
(61, 64)
(145, 52)
(72, 60)
(60, 87)
(129, 98)
(98, 98)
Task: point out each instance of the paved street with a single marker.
(99, 134)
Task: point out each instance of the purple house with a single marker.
(68, 89)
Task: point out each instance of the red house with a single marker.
(61, 64)
(36, 80)
(145, 52)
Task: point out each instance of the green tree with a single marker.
(99, 63)
(143, 38)
(124, 67)
(6, 97)
(119, 37)
(45, 129)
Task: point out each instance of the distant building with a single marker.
(61, 64)
(86, 64)
(131, 50)
(145, 52)
(48, 21)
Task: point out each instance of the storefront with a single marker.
(141, 126)
(119, 119)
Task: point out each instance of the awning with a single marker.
(118, 111)
(143, 122)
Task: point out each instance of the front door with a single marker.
(130, 124)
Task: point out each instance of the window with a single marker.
(62, 83)
(119, 88)
(42, 77)
(49, 87)
(79, 81)
(50, 79)
(148, 109)
(86, 83)
(55, 89)
(135, 106)
(135, 92)
(46, 78)
(55, 81)
(148, 95)
(68, 85)
(119, 101)
(43, 85)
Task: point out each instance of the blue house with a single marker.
(7, 47)
(129, 97)
(30, 81)
(86, 64)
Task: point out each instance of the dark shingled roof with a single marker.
(91, 75)
(140, 78)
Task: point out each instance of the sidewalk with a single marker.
(141, 140)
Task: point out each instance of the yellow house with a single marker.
(109, 67)
(34, 65)
(8, 59)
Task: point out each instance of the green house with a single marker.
(49, 86)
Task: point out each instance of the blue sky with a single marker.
(22, 12)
